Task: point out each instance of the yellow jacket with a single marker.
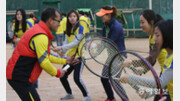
(62, 26)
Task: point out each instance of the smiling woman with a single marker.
(148, 19)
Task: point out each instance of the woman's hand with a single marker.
(124, 78)
(57, 48)
(75, 60)
(126, 63)
(61, 53)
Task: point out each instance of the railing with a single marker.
(127, 30)
(28, 12)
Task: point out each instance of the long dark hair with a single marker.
(150, 15)
(114, 13)
(69, 25)
(166, 28)
(23, 13)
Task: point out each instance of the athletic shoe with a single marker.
(87, 98)
(110, 100)
(67, 97)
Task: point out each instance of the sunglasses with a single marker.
(56, 20)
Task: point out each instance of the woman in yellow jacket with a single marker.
(70, 47)
(21, 25)
(148, 19)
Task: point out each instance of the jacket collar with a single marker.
(110, 22)
(46, 29)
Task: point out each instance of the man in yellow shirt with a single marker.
(32, 55)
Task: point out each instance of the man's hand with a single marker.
(62, 73)
(57, 48)
(61, 53)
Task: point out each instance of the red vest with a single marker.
(23, 65)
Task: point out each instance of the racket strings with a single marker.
(102, 51)
(117, 66)
(118, 69)
(139, 63)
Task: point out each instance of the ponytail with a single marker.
(150, 15)
(158, 18)
(114, 11)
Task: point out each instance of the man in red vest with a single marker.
(32, 54)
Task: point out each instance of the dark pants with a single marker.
(36, 84)
(107, 88)
(25, 90)
(77, 78)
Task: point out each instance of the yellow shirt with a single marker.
(162, 55)
(168, 64)
(84, 24)
(70, 38)
(62, 26)
(89, 22)
(31, 21)
(20, 33)
(39, 43)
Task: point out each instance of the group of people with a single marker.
(32, 53)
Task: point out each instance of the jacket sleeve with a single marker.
(56, 59)
(153, 54)
(39, 44)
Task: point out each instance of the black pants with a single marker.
(25, 90)
(77, 78)
(107, 88)
(35, 84)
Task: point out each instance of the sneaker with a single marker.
(110, 100)
(87, 98)
(67, 97)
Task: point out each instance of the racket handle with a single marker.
(66, 67)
